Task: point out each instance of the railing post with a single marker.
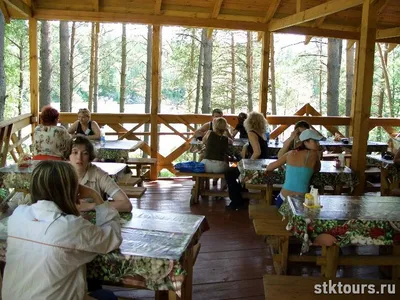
(155, 96)
(264, 73)
(34, 73)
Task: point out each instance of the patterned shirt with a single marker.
(51, 140)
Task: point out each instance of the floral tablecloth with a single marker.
(393, 170)
(19, 178)
(235, 149)
(352, 220)
(152, 251)
(253, 171)
(117, 150)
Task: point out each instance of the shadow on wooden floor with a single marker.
(233, 258)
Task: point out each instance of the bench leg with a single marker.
(329, 268)
(268, 195)
(196, 190)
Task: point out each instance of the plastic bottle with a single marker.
(277, 141)
(102, 137)
(267, 134)
(342, 160)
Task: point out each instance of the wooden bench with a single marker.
(201, 186)
(140, 163)
(129, 180)
(299, 288)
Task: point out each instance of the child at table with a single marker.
(301, 164)
(49, 243)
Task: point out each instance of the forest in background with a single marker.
(98, 64)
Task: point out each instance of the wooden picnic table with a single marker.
(390, 173)
(116, 150)
(18, 178)
(253, 172)
(234, 149)
(158, 252)
(352, 220)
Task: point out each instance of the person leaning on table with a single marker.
(290, 143)
(49, 243)
(81, 155)
(85, 126)
(199, 133)
(255, 126)
(301, 164)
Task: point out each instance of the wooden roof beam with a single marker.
(102, 16)
(391, 47)
(313, 13)
(214, 15)
(4, 10)
(387, 33)
(157, 7)
(273, 7)
(317, 23)
(21, 7)
(96, 5)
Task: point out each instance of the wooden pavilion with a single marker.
(364, 22)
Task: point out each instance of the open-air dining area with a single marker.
(202, 149)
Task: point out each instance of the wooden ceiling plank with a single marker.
(96, 5)
(216, 8)
(272, 10)
(387, 33)
(21, 7)
(5, 12)
(299, 6)
(313, 13)
(89, 16)
(157, 7)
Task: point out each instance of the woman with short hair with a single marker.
(49, 243)
(81, 155)
(85, 126)
(50, 141)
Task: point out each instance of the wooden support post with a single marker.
(264, 73)
(155, 95)
(362, 106)
(34, 73)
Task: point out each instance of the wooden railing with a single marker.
(130, 126)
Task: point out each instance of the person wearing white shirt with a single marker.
(49, 243)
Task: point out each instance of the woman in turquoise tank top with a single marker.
(301, 164)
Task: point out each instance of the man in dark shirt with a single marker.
(290, 143)
(240, 127)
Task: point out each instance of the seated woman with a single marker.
(85, 126)
(50, 142)
(301, 164)
(255, 126)
(49, 243)
(216, 147)
(81, 155)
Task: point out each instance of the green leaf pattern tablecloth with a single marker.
(365, 220)
(233, 150)
(152, 251)
(253, 171)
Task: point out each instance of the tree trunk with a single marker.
(91, 75)
(349, 81)
(71, 65)
(123, 71)
(148, 81)
(96, 67)
(64, 68)
(385, 76)
(273, 90)
(334, 61)
(233, 74)
(2, 68)
(199, 76)
(207, 74)
(45, 65)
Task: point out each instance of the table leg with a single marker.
(268, 194)
(338, 189)
(187, 285)
(385, 185)
(331, 263)
(396, 268)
